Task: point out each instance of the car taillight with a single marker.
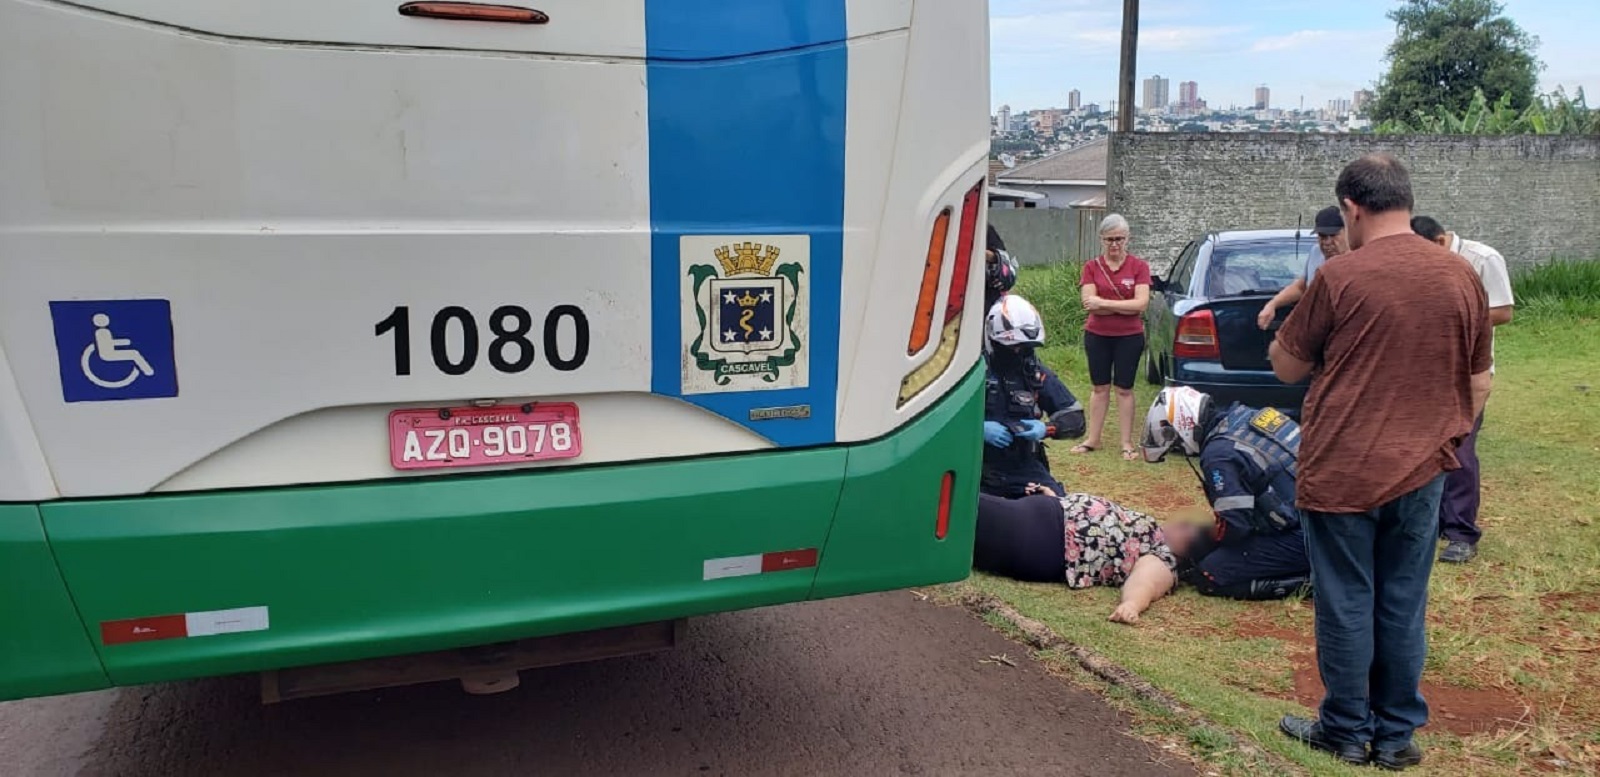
(924, 374)
(1197, 336)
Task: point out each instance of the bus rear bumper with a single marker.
(169, 587)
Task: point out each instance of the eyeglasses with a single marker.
(1122, 239)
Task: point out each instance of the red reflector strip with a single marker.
(789, 559)
(143, 629)
(757, 564)
(475, 12)
(192, 624)
(941, 527)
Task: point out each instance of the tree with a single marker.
(1445, 50)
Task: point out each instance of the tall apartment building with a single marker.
(1074, 100)
(1363, 98)
(1263, 97)
(1155, 93)
(1189, 95)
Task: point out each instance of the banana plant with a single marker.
(1551, 114)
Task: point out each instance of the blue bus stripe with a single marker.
(748, 146)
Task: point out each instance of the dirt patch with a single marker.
(1580, 601)
(1254, 625)
(1166, 500)
(1460, 711)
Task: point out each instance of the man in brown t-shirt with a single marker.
(1395, 337)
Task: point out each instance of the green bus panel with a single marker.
(44, 648)
(356, 571)
(883, 534)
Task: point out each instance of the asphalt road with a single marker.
(875, 685)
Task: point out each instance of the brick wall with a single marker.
(1532, 197)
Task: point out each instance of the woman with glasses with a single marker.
(1116, 288)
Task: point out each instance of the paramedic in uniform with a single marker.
(1000, 275)
(1249, 459)
(1014, 428)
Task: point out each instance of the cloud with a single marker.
(1186, 38)
(1053, 32)
(1306, 40)
(1066, 32)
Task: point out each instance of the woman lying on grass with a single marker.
(1085, 540)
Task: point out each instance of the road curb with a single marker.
(1041, 637)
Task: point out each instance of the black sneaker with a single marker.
(1396, 760)
(1458, 552)
(1310, 733)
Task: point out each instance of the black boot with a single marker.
(1310, 733)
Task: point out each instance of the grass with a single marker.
(1514, 636)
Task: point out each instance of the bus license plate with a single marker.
(478, 436)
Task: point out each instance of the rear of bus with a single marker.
(333, 331)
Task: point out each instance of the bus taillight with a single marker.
(928, 296)
(941, 526)
(969, 233)
(955, 303)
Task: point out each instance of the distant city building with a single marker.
(1338, 108)
(1189, 95)
(1263, 98)
(1003, 121)
(1074, 100)
(1155, 93)
(1045, 122)
(1362, 100)
(1092, 108)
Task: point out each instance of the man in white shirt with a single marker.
(1458, 509)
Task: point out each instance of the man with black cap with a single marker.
(1330, 243)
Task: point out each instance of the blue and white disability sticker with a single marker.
(115, 349)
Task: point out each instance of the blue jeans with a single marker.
(1370, 572)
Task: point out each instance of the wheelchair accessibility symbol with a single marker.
(115, 349)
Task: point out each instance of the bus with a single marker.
(501, 335)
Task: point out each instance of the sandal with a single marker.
(1130, 454)
(1084, 448)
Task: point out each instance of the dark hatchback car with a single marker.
(1201, 321)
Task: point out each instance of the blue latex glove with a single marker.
(996, 434)
(1033, 430)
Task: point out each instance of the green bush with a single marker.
(1053, 289)
(1560, 289)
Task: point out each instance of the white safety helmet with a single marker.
(1013, 321)
(1177, 417)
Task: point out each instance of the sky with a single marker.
(1042, 49)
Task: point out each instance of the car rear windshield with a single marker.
(1256, 268)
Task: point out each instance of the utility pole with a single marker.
(1130, 50)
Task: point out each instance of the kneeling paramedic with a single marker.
(1256, 549)
(1018, 415)
(1000, 275)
